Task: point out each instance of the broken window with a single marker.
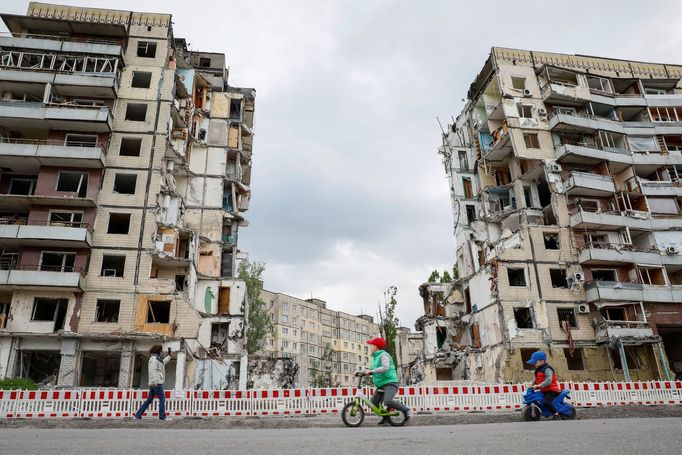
(158, 312)
(568, 315)
(224, 300)
(57, 261)
(22, 186)
(517, 277)
(441, 336)
(235, 109)
(463, 161)
(180, 282)
(652, 275)
(518, 82)
(613, 314)
(443, 374)
(125, 183)
(146, 49)
(524, 318)
(604, 275)
(100, 369)
(574, 360)
(525, 356)
(204, 62)
(558, 277)
(45, 309)
(107, 310)
(136, 112)
(73, 182)
(59, 218)
(468, 190)
(113, 265)
(551, 240)
(119, 223)
(130, 146)
(528, 196)
(40, 366)
(531, 140)
(525, 110)
(599, 84)
(471, 213)
(141, 79)
(81, 140)
(219, 334)
(630, 357)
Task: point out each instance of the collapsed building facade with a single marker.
(564, 174)
(125, 175)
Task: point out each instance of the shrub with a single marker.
(17, 383)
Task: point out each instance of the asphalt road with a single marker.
(602, 437)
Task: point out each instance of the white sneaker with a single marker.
(166, 419)
(137, 418)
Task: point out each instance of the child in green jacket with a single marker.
(385, 378)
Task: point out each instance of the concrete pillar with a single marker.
(69, 368)
(243, 371)
(47, 94)
(180, 370)
(125, 372)
(624, 361)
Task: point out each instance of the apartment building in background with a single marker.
(124, 177)
(565, 175)
(306, 329)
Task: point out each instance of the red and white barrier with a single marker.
(117, 403)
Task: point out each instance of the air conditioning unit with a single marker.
(526, 92)
(109, 272)
(555, 168)
(672, 250)
(583, 308)
(542, 112)
(578, 277)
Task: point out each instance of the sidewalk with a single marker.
(331, 421)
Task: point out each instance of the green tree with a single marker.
(455, 272)
(388, 321)
(321, 370)
(446, 278)
(434, 277)
(259, 324)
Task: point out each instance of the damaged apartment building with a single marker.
(124, 177)
(565, 175)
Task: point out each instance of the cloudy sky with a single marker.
(349, 195)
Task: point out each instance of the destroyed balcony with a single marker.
(70, 117)
(557, 92)
(587, 184)
(582, 153)
(564, 120)
(172, 248)
(626, 331)
(22, 232)
(61, 44)
(660, 188)
(37, 153)
(37, 278)
(500, 147)
(613, 253)
(615, 220)
(597, 291)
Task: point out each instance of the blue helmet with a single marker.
(537, 355)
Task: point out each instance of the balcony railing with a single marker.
(70, 39)
(6, 265)
(59, 143)
(19, 221)
(55, 63)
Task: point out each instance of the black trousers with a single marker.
(386, 394)
(549, 397)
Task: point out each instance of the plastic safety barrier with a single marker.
(119, 403)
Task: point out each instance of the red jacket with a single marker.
(540, 378)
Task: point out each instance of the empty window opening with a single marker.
(73, 182)
(57, 262)
(81, 140)
(468, 189)
(444, 374)
(525, 356)
(45, 309)
(22, 186)
(72, 219)
(463, 161)
(528, 196)
(654, 276)
(574, 360)
(219, 334)
(130, 146)
(551, 241)
(235, 109)
(441, 336)
(531, 140)
(107, 310)
(471, 213)
(224, 300)
(146, 49)
(517, 277)
(604, 275)
(180, 282)
(518, 82)
(204, 62)
(567, 315)
(525, 110)
(113, 265)
(119, 223)
(136, 112)
(125, 183)
(524, 318)
(158, 312)
(558, 277)
(613, 314)
(40, 366)
(141, 79)
(630, 357)
(100, 369)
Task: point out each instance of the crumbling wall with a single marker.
(273, 373)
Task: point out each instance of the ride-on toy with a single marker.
(535, 406)
(353, 413)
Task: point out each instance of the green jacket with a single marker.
(383, 369)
